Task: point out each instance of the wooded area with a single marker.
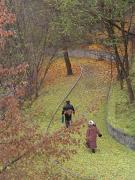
(36, 37)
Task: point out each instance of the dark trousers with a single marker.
(68, 119)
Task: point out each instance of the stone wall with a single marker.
(99, 55)
(121, 137)
(93, 54)
(116, 133)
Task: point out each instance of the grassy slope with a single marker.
(112, 160)
(121, 112)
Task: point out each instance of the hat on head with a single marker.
(91, 123)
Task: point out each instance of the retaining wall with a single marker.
(93, 54)
(99, 55)
(116, 133)
(121, 137)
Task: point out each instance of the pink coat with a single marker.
(91, 136)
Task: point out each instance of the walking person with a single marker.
(67, 111)
(91, 136)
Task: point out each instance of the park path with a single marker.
(112, 161)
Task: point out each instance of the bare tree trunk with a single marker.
(35, 83)
(125, 43)
(121, 84)
(122, 65)
(119, 76)
(68, 63)
(30, 90)
(130, 90)
(36, 88)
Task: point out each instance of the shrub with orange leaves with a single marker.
(57, 147)
(6, 17)
(15, 134)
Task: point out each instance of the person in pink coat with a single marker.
(91, 136)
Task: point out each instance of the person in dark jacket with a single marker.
(91, 136)
(67, 111)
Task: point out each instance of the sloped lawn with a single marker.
(112, 161)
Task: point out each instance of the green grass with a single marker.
(43, 108)
(112, 160)
(121, 114)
